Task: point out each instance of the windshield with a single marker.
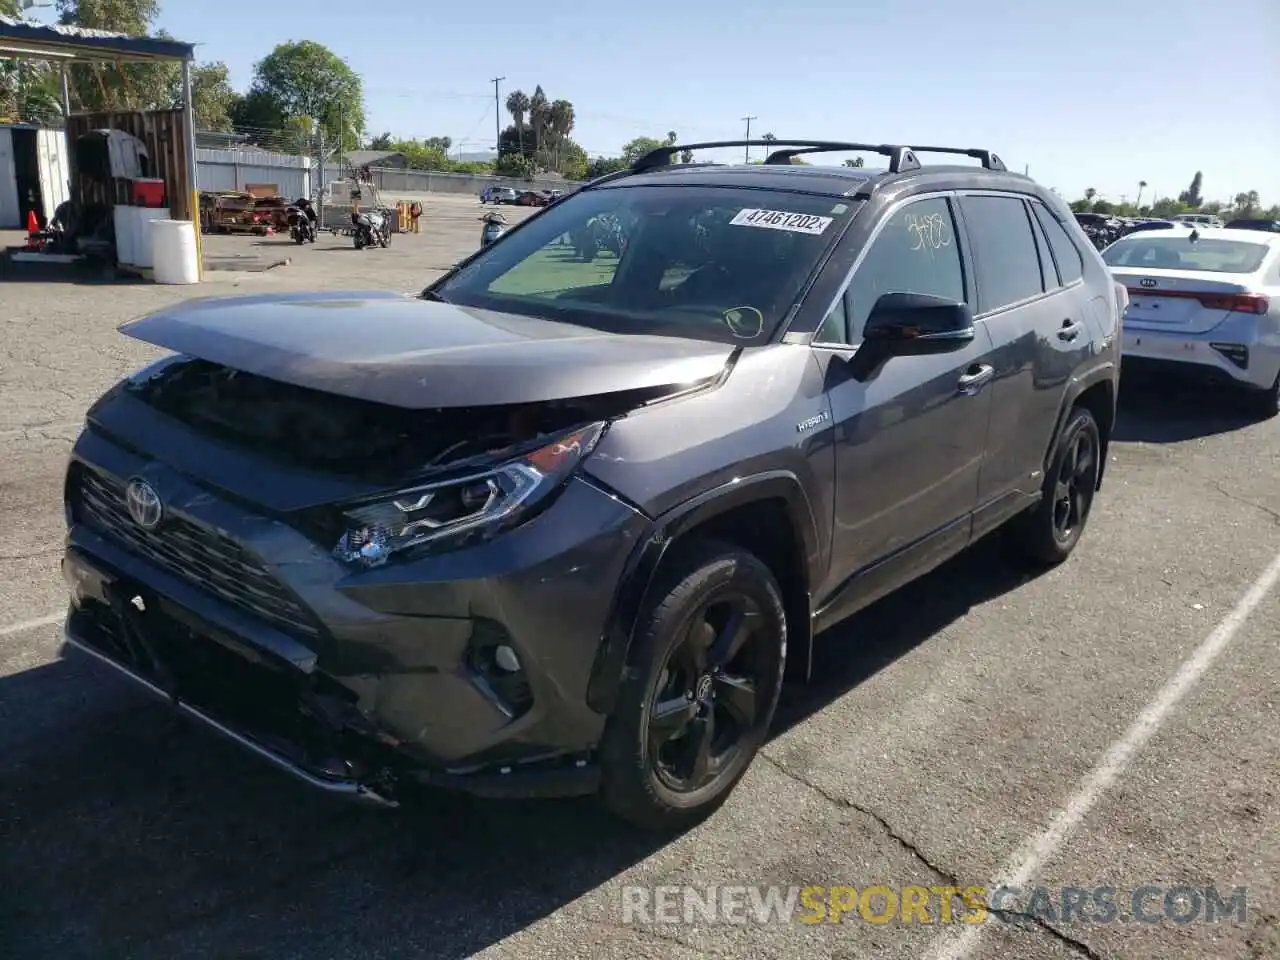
(712, 263)
(1179, 253)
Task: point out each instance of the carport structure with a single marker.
(67, 45)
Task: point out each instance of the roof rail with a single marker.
(990, 160)
(901, 158)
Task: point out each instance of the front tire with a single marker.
(699, 691)
(1049, 531)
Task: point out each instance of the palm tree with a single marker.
(517, 106)
(1246, 202)
(538, 117)
(686, 156)
(672, 137)
(560, 122)
(1142, 185)
(1090, 193)
(854, 162)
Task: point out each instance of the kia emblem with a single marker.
(1148, 282)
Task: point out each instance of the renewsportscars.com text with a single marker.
(885, 903)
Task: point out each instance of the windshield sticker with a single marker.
(928, 232)
(744, 322)
(782, 220)
(838, 209)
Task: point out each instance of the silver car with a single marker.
(1205, 301)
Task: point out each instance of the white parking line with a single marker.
(1026, 863)
(32, 624)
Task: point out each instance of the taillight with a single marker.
(1254, 303)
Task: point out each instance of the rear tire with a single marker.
(1265, 404)
(1047, 533)
(699, 691)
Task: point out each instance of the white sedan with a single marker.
(1204, 300)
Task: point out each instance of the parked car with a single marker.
(498, 195)
(1267, 226)
(1206, 302)
(534, 198)
(1198, 220)
(560, 526)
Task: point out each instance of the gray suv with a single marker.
(561, 523)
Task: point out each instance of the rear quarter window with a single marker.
(1065, 251)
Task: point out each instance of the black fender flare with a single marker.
(1106, 371)
(642, 565)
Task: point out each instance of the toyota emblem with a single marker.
(144, 504)
(1148, 282)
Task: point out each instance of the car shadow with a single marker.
(76, 274)
(1155, 409)
(128, 831)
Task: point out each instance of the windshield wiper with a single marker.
(432, 295)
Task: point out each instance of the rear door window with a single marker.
(1004, 250)
(915, 252)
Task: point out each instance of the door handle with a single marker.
(975, 378)
(1070, 330)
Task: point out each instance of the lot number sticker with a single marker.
(782, 220)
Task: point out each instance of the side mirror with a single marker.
(912, 324)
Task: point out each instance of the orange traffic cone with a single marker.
(33, 228)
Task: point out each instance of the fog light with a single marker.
(506, 659)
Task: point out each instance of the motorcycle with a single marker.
(495, 225)
(302, 222)
(370, 227)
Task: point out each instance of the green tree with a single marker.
(307, 79)
(382, 141)
(258, 116)
(119, 86)
(515, 165)
(518, 106)
(1191, 196)
(854, 162)
(602, 166)
(1246, 203)
(637, 148)
(212, 97)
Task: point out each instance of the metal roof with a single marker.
(27, 38)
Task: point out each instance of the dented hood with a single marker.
(407, 352)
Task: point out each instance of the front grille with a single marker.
(198, 554)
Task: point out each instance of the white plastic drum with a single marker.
(175, 258)
(143, 218)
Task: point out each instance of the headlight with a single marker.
(472, 505)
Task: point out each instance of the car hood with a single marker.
(418, 354)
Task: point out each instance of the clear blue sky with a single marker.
(1099, 93)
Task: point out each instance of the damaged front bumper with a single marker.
(361, 683)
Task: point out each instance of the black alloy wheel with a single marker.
(1076, 482)
(700, 687)
(707, 695)
(1048, 532)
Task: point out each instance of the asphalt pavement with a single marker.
(1110, 724)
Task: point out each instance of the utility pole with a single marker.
(497, 117)
(747, 158)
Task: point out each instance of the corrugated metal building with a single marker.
(237, 169)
